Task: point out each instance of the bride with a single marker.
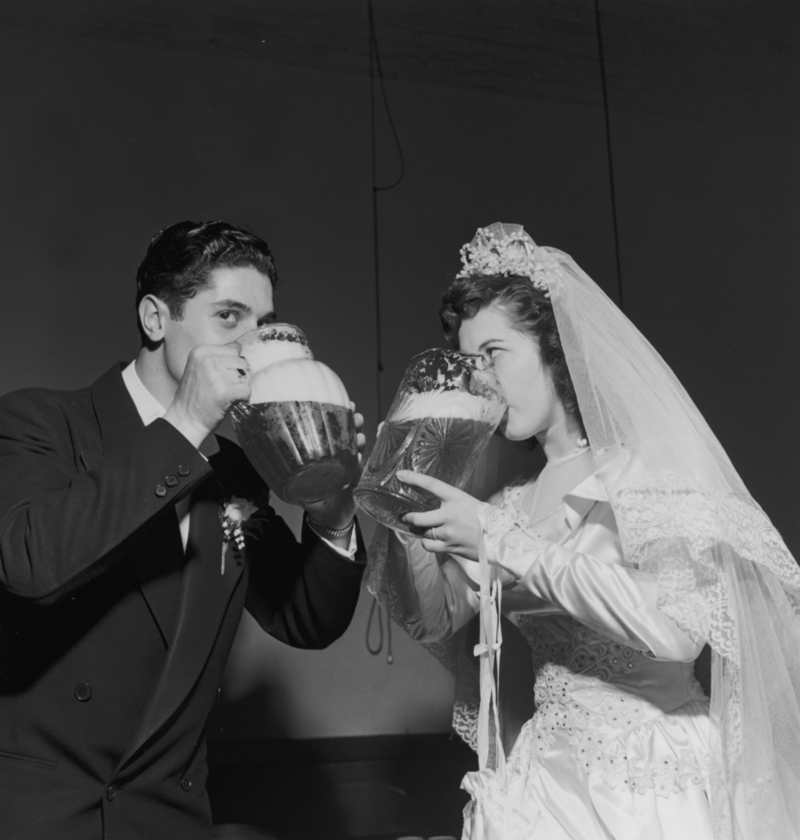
(635, 546)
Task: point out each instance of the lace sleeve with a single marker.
(509, 541)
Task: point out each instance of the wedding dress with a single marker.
(618, 746)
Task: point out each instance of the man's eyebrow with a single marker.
(232, 304)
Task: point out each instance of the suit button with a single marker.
(184, 470)
(186, 784)
(83, 692)
(171, 480)
(111, 792)
(161, 491)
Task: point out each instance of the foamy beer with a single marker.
(297, 429)
(445, 411)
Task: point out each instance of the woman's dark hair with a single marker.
(181, 258)
(529, 311)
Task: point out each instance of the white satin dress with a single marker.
(618, 745)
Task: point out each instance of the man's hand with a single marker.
(214, 378)
(338, 511)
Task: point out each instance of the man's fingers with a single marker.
(231, 365)
(233, 350)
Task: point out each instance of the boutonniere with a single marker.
(238, 522)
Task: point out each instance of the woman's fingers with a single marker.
(424, 520)
(426, 482)
(434, 546)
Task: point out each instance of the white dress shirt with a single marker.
(150, 409)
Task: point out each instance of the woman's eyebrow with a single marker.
(489, 341)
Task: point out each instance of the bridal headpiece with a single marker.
(506, 249)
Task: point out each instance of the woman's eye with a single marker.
(229, 316)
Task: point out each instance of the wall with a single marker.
(104, 143)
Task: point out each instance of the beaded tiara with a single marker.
(505, 249)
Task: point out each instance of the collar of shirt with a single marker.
(150, 409)
(147, 405)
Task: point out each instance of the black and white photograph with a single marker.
(398, 420)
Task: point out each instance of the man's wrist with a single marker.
(327, 531)
(194, 433)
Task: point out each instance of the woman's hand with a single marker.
(454, 527)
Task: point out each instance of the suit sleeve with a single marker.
(303, 593)
(62, 525)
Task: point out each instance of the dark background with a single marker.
(679, 188)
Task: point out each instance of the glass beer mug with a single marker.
(297, 429)
(440, 422)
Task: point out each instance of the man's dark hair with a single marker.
(529, 311)
(181, 258)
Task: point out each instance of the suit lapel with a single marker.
(205, 598)
(115, 411)
(158, 569)
(157, 562)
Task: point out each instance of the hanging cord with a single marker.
(376, 74)
(608, 146)
(378, 609)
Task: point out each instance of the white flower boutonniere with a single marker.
(236, 524)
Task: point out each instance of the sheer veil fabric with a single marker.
(724, 573)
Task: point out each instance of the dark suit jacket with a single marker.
(113, 639)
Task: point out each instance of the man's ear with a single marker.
(153, 316)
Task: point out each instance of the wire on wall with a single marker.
(604, 84)
(376, 78)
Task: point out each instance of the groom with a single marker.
(119, 596)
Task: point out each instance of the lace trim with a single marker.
(597, 728)
(465, 722)
(663, 509)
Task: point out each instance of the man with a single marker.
(117, 612)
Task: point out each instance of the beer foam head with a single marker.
(273, 344)
(440, 404)
(298, 380)
(439, 370)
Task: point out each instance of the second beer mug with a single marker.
(297, 430)
(445, 411)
